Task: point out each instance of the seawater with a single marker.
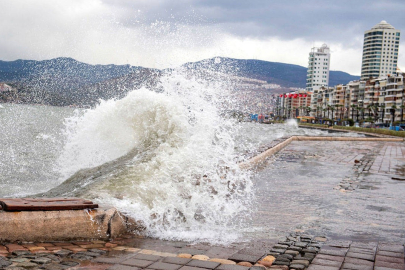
(168, 159)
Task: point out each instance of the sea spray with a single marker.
(166, 159)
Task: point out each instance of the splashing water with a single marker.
(292, 123)
(166, 159)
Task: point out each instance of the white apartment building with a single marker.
(380, 51)
(318, 68)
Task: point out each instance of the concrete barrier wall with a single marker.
(62, 225)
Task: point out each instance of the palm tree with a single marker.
(308, 109)
(361, 109)
(328, 108)
(353, 106)
(318, 109)
(369, 107)
(382, 106)
(402, 112)
(332, 108)
(392, 111)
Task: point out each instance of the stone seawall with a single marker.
(254, 161)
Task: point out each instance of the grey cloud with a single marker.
(331, 21)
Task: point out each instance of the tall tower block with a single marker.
(318, 68)
(380, 51)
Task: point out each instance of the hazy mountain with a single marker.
(65, 81)
(286, 75)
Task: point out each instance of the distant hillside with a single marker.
(65, 81)
(286, 75)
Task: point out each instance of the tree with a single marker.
(353, 106)
(402, 112)
(308, 109)
(382, 106)
(332, 108)
(392, 111)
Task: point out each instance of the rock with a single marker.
(185, 255)
(201, 257)
(21, 252)
(110, 245)
(42, 260)
(266, 263)
(69, 263)
(63, 252)
(19, 260)
(222, 261)
(297, 266)
(99, 251)
(27, 265)
(269, 259)
(247, 264)
(4, 262)
(303, 262)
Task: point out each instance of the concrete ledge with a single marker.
(39, 226)
(249, 164)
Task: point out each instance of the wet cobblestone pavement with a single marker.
(320, 205)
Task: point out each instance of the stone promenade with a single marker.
(296, 251)
(319, 206)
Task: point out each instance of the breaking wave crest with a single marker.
(166, 159)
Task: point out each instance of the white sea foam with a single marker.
(184, 182)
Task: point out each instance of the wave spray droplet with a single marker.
(164, 158)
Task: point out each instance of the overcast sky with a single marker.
(168, 33)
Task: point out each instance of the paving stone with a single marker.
(326, 262)
(231, 267)
(368, 257)
(110, 260)
(42, 260)
(278, 262)
(63, 252)
(176, 260)
(203, 264)
(146, 257)
(390, 265)
(262, 268)
(192, 251)
(280, 246)
(389, 259)
(287, 256)
(390, 254)
(69, 263)
(238, 257)
(4, 263)
(26, 264)
(340, 244)
(297, 266)
(295, 248)
(303, 262)
(310, 250)
(123, 267)
(352, 266)
(292, 252)
(370, 245)
(301, 244)
(137, 263)
(358, 261)
(391, 248)
(322, 267)
(333, 252)
(163, 266)
(20, 252)
(278, 250)
(363, 250)
(330, 257)
(99, 251)
(191, 268)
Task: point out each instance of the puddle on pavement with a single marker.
(295, 192)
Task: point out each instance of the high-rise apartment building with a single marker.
(380, 51)
(318, 68)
